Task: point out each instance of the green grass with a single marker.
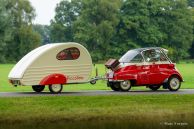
(187, 71)
(86, 111)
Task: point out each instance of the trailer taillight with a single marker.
(15, 82)
(10, 81)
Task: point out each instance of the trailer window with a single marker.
(69, 54)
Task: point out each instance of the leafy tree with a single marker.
(4, 29)
(23, 38)
(91, 22)
(96, 25)
(192, 47)
(191, 3)
(28, 39)
(157, 23)
(108, 28)
(62, 25)
(44, 31)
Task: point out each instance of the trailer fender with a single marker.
(53, 79)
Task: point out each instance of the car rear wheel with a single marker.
(154, 87)
(38, 88)
(125, 85)
(174, 83)
(114, 86)
(55, 88)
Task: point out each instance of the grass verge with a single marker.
(185, 70)
(98, 111)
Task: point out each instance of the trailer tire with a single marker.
(38, 88)
(154, 87)
(114, 86)
(55, 88)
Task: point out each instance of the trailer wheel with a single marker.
(93, 82)
(38, 88)
(55, 88)
(154, 87)
(125, 85)
(174, 83)
(114, 86)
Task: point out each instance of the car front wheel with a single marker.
(38, 88)
(55, 88)
(174, 83)
(125, 85)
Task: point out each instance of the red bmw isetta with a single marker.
(148, 67)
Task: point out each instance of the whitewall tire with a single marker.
(125, 85)
(55, 88)
(174, 83)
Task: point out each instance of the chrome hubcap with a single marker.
(125, 85)
(174, 83)
(56, 87)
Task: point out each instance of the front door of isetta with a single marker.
(154, 59)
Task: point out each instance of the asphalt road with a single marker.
(95, 93)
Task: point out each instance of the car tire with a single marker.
(55, 88)
(154, 87)
(125, 85)
(174, 83)
(38, 88)
(114, 86)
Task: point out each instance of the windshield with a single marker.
(129, 56)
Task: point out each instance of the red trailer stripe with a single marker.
(54, 79)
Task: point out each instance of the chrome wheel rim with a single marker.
(174, 83)
(125, 85)
(56, 87)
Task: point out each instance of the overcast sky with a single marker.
(45, 10)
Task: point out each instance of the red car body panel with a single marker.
(54, 79)
(146, 74)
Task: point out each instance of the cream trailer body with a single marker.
(53, 65)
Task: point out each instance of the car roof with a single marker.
(148, 48)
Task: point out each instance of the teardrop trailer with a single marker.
(54, 65)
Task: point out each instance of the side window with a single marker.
(163, 57)
(137, 59)
(152, 55)
(68, 54)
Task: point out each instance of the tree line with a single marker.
(16, 31)
(107, 28)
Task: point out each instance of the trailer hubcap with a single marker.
(56, 87)
(174, 83)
